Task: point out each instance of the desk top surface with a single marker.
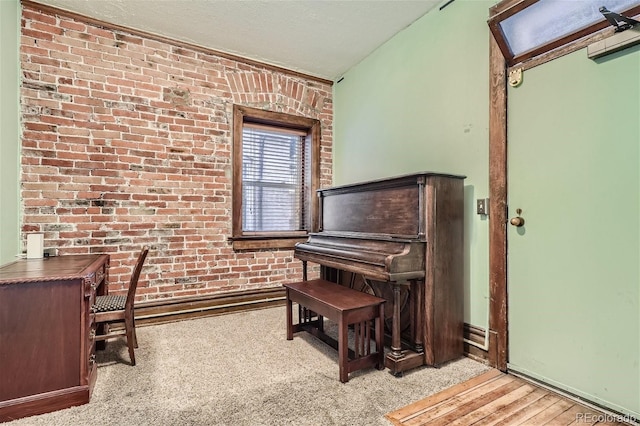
(58, 267)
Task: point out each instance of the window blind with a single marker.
(273, 179)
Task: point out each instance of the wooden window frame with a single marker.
(269, 239)
(552, 49)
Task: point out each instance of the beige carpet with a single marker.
(239, 369)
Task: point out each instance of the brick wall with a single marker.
(127, 141)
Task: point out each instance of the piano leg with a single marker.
(396, 344)
(398, 360)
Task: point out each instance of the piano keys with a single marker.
(401, 239)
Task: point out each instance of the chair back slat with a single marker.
(133, 282)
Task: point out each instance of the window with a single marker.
(528, 28)
(276, 170)
(273, 179)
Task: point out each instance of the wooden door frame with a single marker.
(498, 306)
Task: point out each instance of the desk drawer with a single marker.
(93, 281)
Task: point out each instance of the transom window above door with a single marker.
(525, 29)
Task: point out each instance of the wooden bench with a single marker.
(344, 306)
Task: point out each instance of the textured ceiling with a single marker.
(323, 38)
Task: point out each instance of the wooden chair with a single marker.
(118, 308)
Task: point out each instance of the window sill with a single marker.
(261, 243)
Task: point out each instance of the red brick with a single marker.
(115, 161)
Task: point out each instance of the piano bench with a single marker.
(345, 307)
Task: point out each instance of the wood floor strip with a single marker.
(551, 412)
(521, 417)
(489, 408)
(567, 417)
(410, 410)
(465, 408)
(506, 411)
(497, 399)
(455, 403)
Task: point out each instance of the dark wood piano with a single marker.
(401, 239)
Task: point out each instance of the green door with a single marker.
(574, 267)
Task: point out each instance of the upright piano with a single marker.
(400, 239)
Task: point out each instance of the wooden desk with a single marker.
(47, 348)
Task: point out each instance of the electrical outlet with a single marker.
(482, 206)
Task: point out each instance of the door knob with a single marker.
(517, 221)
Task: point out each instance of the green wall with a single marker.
(9, 131)
(418, 103)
